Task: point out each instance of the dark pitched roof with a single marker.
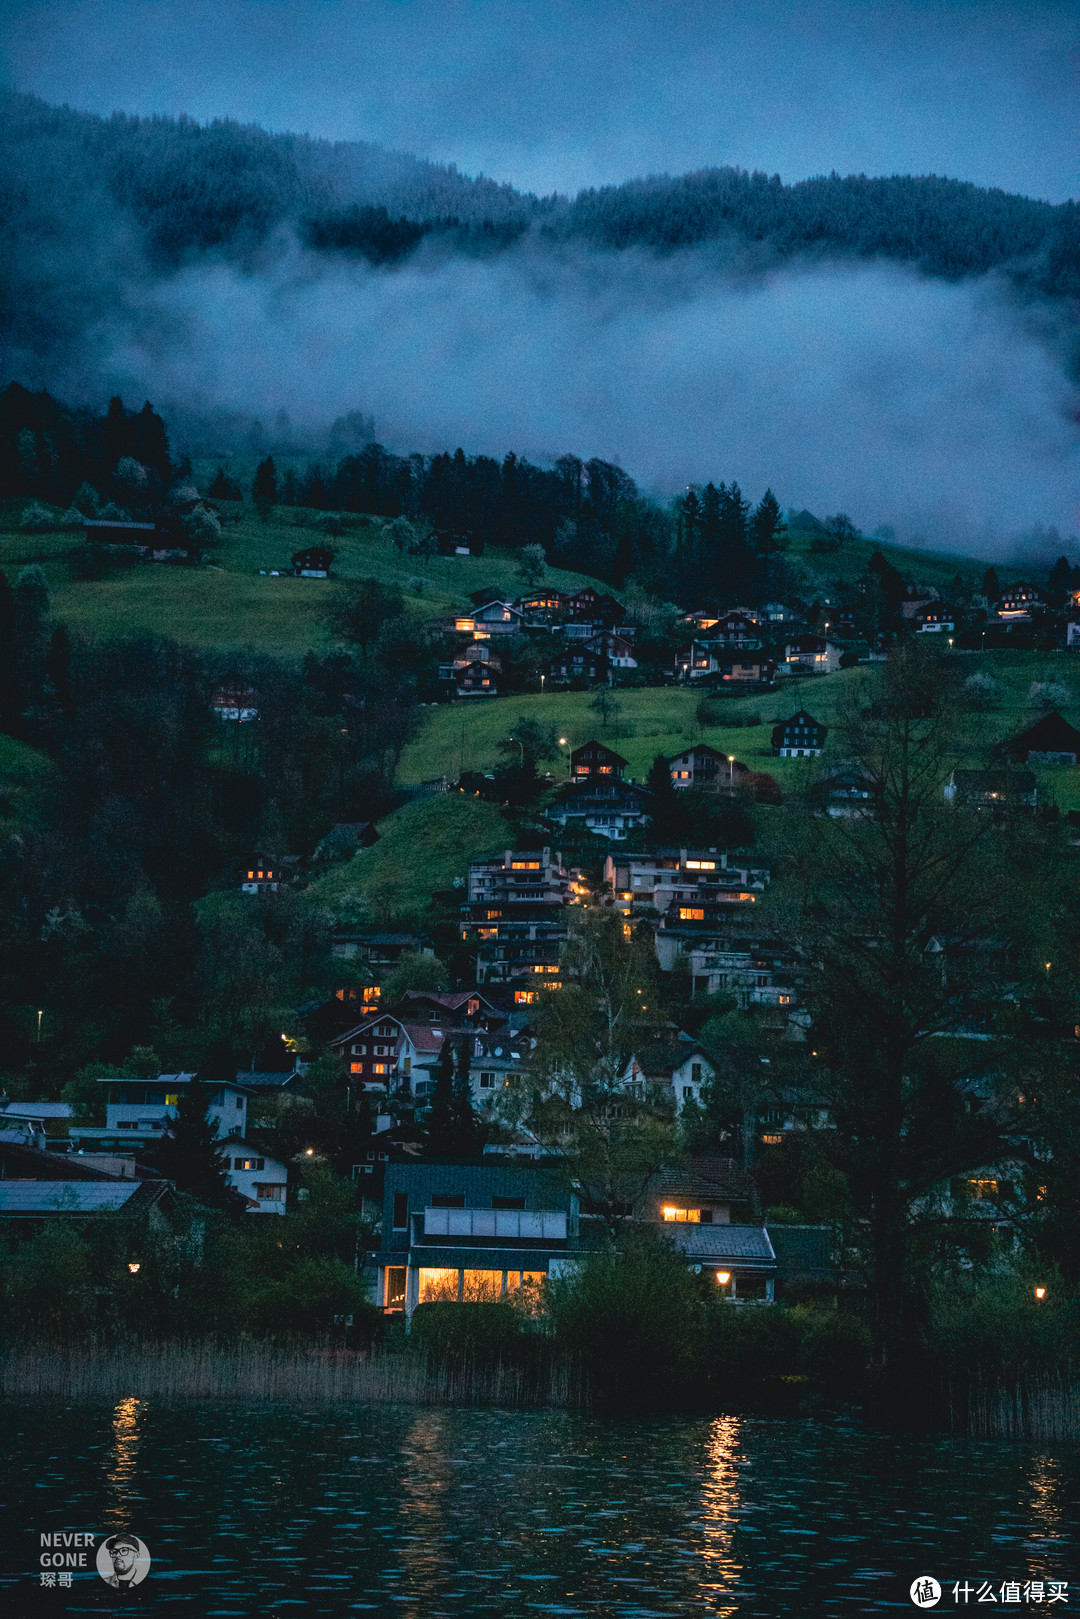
(1051, 734)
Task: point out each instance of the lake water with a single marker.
(422, 1513)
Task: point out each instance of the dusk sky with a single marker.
(560, 94)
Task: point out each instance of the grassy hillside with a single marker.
(232, 603)
(421, 849)
(663, 720)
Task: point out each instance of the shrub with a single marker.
(455, 1332)
(631, 1318)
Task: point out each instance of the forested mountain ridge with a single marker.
(184, 189)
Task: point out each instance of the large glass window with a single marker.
(681, 1216)
(482, 1286)
(395, 1287)
(438, 1286)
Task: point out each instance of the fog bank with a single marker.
(899, 399)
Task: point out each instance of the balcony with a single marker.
(518, 1225)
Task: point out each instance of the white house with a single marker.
(257, 1177)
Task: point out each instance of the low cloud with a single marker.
(899, 399)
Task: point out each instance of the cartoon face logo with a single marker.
(123, 1560)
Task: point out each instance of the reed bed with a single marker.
(265, 1372)
(1038, 1408)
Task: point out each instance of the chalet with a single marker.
(739, 630)
(470, 1232)
(474, 672)
(800, 737)
(588, 613)
(918, 599)
(739, 1258)
(992, 789)
(845, 789)
(542, 608)
(451, 542)
(261, 1180)
(702, 766)
(593, 760)
(616, 648)
(696, 661)
(810, 654)
(707, 1191)
(1072, 633)
(148, 1208)
(313, 562)
(388, 1053)
(516, 946)
(698, 623)
(756, 971)
(1050, 741)
(497, 618)
(582, 665)
(675, 1068)
(261, 875)
(1019, 604)
(934, 618)
(608, 807)
(382, 951)
(235, 703)
(457, 1008)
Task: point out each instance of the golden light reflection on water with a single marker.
(422, 1544)
(120, 1469)
(1045, 1485)
(719, 1518)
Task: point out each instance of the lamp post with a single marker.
(731, 768)
(542, 679)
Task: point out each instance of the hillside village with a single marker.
(461, 1197)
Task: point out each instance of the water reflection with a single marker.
(120, 1470)
(421, 1542)
(1045, 1485)
(719, 1518)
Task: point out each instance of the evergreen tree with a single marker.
(188, 1154)
(264, 488)
(1059, 582)
(991, 589)
(439, 1125)
(58, 669)
(767, 526)
(225, 488)
(150, 443)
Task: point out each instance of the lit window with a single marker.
(691, 913)
(701, 865)
(773, 1140)
(681, 1216)
(525, 865)
(482, 1286)
(524, 997)
(984, 1188)
(380, 1067)
(356, 1068)
(439, 1286)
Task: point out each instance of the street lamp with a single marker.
(731, 767)
(1040, 1292)
(542, 679)
(723, 1277)
(133, 1267)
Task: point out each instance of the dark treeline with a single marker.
(96, 202)
(587, 515)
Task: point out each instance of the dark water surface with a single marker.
(278, 1511)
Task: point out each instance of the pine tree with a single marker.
(188, 1154)
(264, 488)
(991, 589)
(149, 443)
(468, 1130)
(767, 526)
(439, 1125)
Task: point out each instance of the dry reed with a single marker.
(1038, 1409)
(257, 1371)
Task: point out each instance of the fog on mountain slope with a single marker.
(715, 326)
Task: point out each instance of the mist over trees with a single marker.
(97, 205)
